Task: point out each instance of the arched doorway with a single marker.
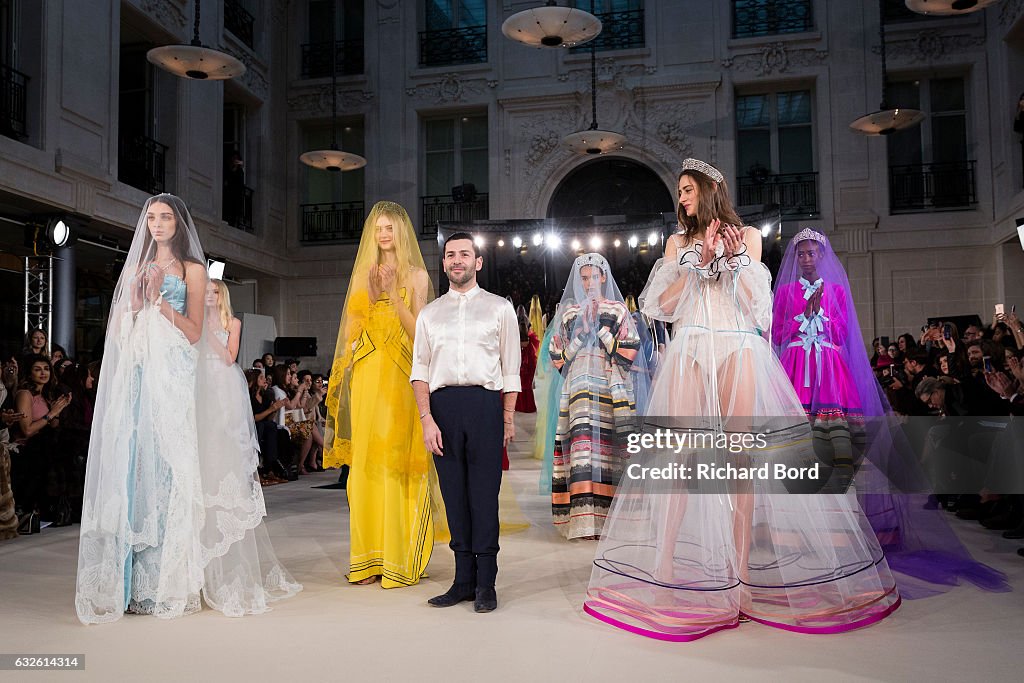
(608, 187)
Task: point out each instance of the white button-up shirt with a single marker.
(467, 339)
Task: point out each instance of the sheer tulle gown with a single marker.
(682, 559)
(175, 510)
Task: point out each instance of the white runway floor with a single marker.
(334, 631)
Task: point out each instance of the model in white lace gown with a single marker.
(681, 559)
(173, 509)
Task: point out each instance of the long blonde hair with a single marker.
(397, 213)
(224, 303)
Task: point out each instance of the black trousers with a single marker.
(469, 473)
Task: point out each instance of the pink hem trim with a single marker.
(826, 630)
(656, 635)
(821, 630)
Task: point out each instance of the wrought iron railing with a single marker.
(453, 46)
(920, 188)
(141, 163)
(751, 18)
(238, 20)
(796, 194)
(13, 102)
(348, 58)
(442, 207)
(619, 31)
(332, 222)
(237, 209)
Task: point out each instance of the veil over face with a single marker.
(354, 342)
(891, 487)
(172, 506)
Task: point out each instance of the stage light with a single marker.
(479, 242)
(501, 243)
(215, 269)
(633, 241)
(538, 239)
(553, 241)
(575, 245)
(617, 243)
(59, 232)
(652, 239)
(766, 230)
(596, 242)
(517, 242)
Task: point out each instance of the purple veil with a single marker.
(890, 484)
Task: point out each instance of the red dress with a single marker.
(525, 402)
(527, 368)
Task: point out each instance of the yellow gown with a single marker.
(389, 489)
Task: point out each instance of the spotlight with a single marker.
(652, 239)
(766, 230)
(479, 242)
(517, 242)
(501, 243)
(596, 242)
(553, 241)
(633, 241)
(215, 269)
(537, 239)
(59, 232)
(617, 243)
(575, 245)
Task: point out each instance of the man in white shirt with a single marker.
(465, 375)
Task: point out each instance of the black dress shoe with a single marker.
(1001, 522)
(486, 600)
(1014, 534)
(459, 592)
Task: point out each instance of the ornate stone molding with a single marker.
(929, 45)
(775, 58)
(165, 11)
(1009, 12)
(318, 101)
(449, 88)
(253, 78)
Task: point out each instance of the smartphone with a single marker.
(947, 331)
(1000, 310)
(885, 342)
(987, 360)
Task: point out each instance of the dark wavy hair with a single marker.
(713, 202)
(49, 390)
(179, 243)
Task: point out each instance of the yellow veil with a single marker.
(536, 317)
(353, 342)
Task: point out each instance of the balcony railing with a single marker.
(438, 208)
(141, 163)
(13, 102)
(333, 222)
(795, 193)
(920, 188)
(453, 46)
(348, 58)
(238, 20)
(237, 209)
(751, 18)
(619, 31)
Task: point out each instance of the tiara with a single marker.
(808, 234)
(389, 206)
(704, 167)
(592, 259)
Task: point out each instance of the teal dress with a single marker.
(174, 292)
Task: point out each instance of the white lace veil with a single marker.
(172, 507)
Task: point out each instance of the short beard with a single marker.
(467, 275)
